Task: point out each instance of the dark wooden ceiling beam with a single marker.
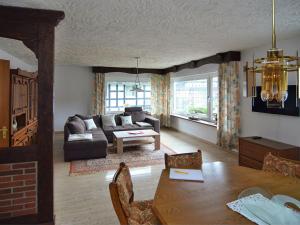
(100, 69)
(29, 15)
(215, 59)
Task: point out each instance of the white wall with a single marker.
(202, 131)
(16, 63)
(73, 87)
(277, 127)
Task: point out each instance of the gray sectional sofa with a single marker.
(102, 135)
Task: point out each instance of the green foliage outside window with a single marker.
(197, 110)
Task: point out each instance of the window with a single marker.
(197, 96)
(119, 96)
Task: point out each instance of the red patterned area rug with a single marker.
(134, 156)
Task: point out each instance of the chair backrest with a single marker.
(121, 193)
(281, 165)
(191, 160)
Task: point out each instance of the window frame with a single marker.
(207, 76)
(108, 98)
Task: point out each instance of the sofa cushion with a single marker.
(77, 119)
(138, 116)
(118, 119)
(98, 134)
(87, 149)
(90, 124)
(75, 127)
(133, 109)
(108, 120)
(96, 118)
(126, 120)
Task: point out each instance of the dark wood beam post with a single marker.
(45, 122)
(35, 28)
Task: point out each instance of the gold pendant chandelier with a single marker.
(274, 71)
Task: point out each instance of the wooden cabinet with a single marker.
(23, 107)
(32, 100)
(19, 93)
(25, 136)
(18, 102)
(253, 151)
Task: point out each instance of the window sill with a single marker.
(212, 124)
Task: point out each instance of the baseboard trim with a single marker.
(200, 139)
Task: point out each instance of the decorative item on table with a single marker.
(255, 190)
(215, 117)
(186, 174)
(135, 132)
(274, 73)
(259, 206)
(14, 125)
(195, 113)
(193, 118)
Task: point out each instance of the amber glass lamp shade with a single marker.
(274, 79)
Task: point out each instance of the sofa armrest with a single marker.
(154, 122)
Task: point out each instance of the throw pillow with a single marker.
(108, 121)
(96, 118)
(118, 119)
(138, 116)
(90, 124)
(126, 120)
(75, 127)
(77, 119)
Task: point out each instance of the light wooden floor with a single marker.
(85, 200)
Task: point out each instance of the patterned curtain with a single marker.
(229, 103)
(98, 106)
(160, 98)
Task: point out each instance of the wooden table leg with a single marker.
(119, 145)
(157, 142)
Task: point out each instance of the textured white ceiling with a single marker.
(162, 32)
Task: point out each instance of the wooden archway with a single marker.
(36, 29)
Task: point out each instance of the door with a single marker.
(4, 103)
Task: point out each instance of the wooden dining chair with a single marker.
(129, 212)
(191, 160)
(281, 165)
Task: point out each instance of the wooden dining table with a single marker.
(189, 202)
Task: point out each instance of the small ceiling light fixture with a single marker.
(137, 85)
(274, 71)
